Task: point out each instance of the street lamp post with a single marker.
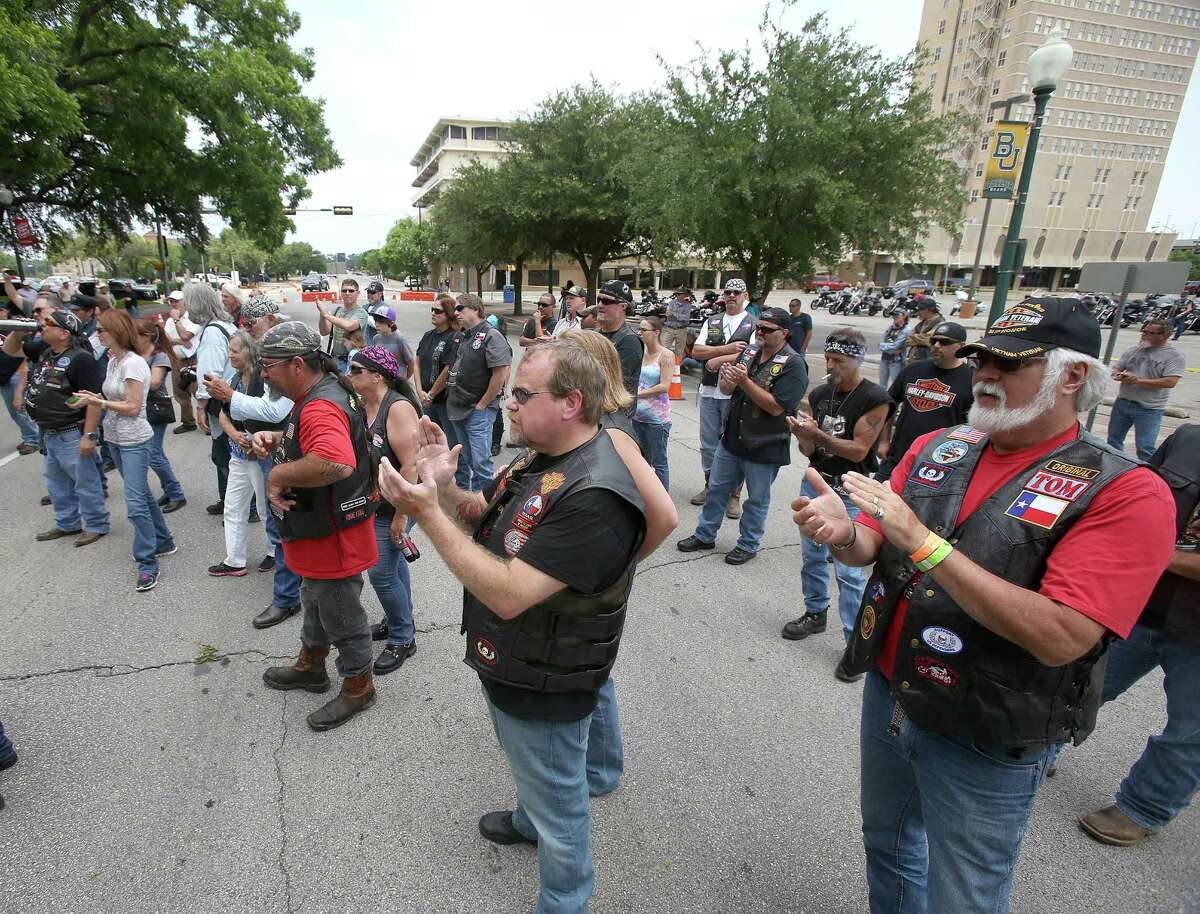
(1047, 65)
(987, 206)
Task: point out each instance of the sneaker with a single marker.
(808, 624)
(267, 564)
(174, 548)
(184, 427)
(691, 544)
(844, 674)
(173, 506)
(392, 657)
(699, 497)
(215, 509)
(24, 448)
(738, 556)
(226, 571)
(147, 580)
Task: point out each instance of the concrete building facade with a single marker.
(1106, 136)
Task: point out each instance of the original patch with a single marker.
(1019, 317)
(533, 506)
(1046, 483)
(63, 362)
(928, 394)
(552, 481)
(942, 640)
(877, 591)
(486, 651)
(936, 671)
(966, 433)
(352, 504)
(1069, 469)
(1039, 510)
(868, 621)
(950, 452)
(931, 475)
(514, 540)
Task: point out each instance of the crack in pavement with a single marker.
(708, 554)
(109, 670)
(283, 829)
(435, 627)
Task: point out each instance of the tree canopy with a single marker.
(405, 252)
(295, 259)
(115, 112)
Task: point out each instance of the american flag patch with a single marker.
(966, 433)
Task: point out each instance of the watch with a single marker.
(92, 436)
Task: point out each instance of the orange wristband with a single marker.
(928, 548)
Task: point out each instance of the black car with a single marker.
(314, 282)
(908, 287)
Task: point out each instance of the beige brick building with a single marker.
(1108, 128)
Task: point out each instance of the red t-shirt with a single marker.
(1105, 566)
(325, 432)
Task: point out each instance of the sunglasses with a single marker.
(439, 311)
(350, 291)
(522, 395)
(1001, 364)
(458, 308)
(601, 300)
(941, 342)
(357, 369)
(765, 330)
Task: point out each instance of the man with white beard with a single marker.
(1005, 561)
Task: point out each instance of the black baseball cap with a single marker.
(778, 317)
(617, 289)
(948, 330)
(1036, 326)
(374, 286)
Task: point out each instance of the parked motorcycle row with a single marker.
(1140, 310)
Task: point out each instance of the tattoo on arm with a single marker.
(469, 510)
(334, 471)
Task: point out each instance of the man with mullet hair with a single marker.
(322, 492)
(1007, 554)
(543, 627)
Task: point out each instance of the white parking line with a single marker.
(4, 461)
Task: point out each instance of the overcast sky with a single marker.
(388, 71)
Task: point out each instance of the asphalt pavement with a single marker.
(158, 774)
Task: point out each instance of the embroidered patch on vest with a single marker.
(928, 394)
(1039, 510)
(936, 671)
(776, 369)
(949, 452)
(63, 362)
(1068, 469)
(966, 433)
(514, 540)
(533, 506)
(877, 591)
(486, 651)
(931, 475)
(942, 640)
(868, 621)
(552, 481)
(1046, 483)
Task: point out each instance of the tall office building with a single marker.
(1108, 128)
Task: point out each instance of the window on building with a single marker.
(1007, 30)
(983, 143)
(974, 195)
(932, 79)
(942, 27)
(937, 54)
(979, 169)
(995, 87)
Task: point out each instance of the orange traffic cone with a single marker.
(676, 391)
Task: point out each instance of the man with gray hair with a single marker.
(1002, 569)
(1147, 373)
(543, 627)
(475, 382)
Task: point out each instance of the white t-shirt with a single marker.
(171, 328)
(565, 324)
(120, 429)
(730, 323)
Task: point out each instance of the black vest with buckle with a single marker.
(1172, 607)
(714, 335)
(569, 641)
(952, 674)
(756, 427)
(321, 510)
(49, 389)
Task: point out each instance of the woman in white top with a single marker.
(131, 440)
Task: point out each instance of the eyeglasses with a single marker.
(1001, 364)
(267, 366)
(521, 395)
(765, 330)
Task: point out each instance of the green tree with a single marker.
(232, 249)
(295, 259)
(570, 168)
(371, 261)
(794, 152)
(406, 250)
(1187, 256)
(114, 112)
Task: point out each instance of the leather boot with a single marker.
(733, 510)
(357, 694)
(308, 672)
(699, 497)
(1111, 826)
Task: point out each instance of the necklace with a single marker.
(835, 407)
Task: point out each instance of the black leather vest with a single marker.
(320, 511)
(569, 642)
(715, 336)
(952, 674)
(469, 375)
(1173, 606)
(756, 428)
(49, 389)
(379, 446)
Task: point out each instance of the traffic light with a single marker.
(289, 210)
(343, 210)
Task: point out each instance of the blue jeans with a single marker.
(287, 582)
(712, 423)
(474, 433)
(942, 817)
(437, 412)
(6, 747)
(1163, 781)
(393, 584)
(888, 371)
(726, 475)
(74, 484)
(150, 533)
(814, 575)
(548, 761)
(606, 746)
(652, 439)
(27, 427)
(162, 466)
(1145, 421)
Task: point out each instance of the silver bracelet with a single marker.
(853, 539)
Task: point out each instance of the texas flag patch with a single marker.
(1039, 510)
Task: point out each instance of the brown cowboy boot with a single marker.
(308, 672)
(733, 510)
(357, 694)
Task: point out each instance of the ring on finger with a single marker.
(879, 513)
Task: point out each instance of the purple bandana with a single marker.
(376, 358)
